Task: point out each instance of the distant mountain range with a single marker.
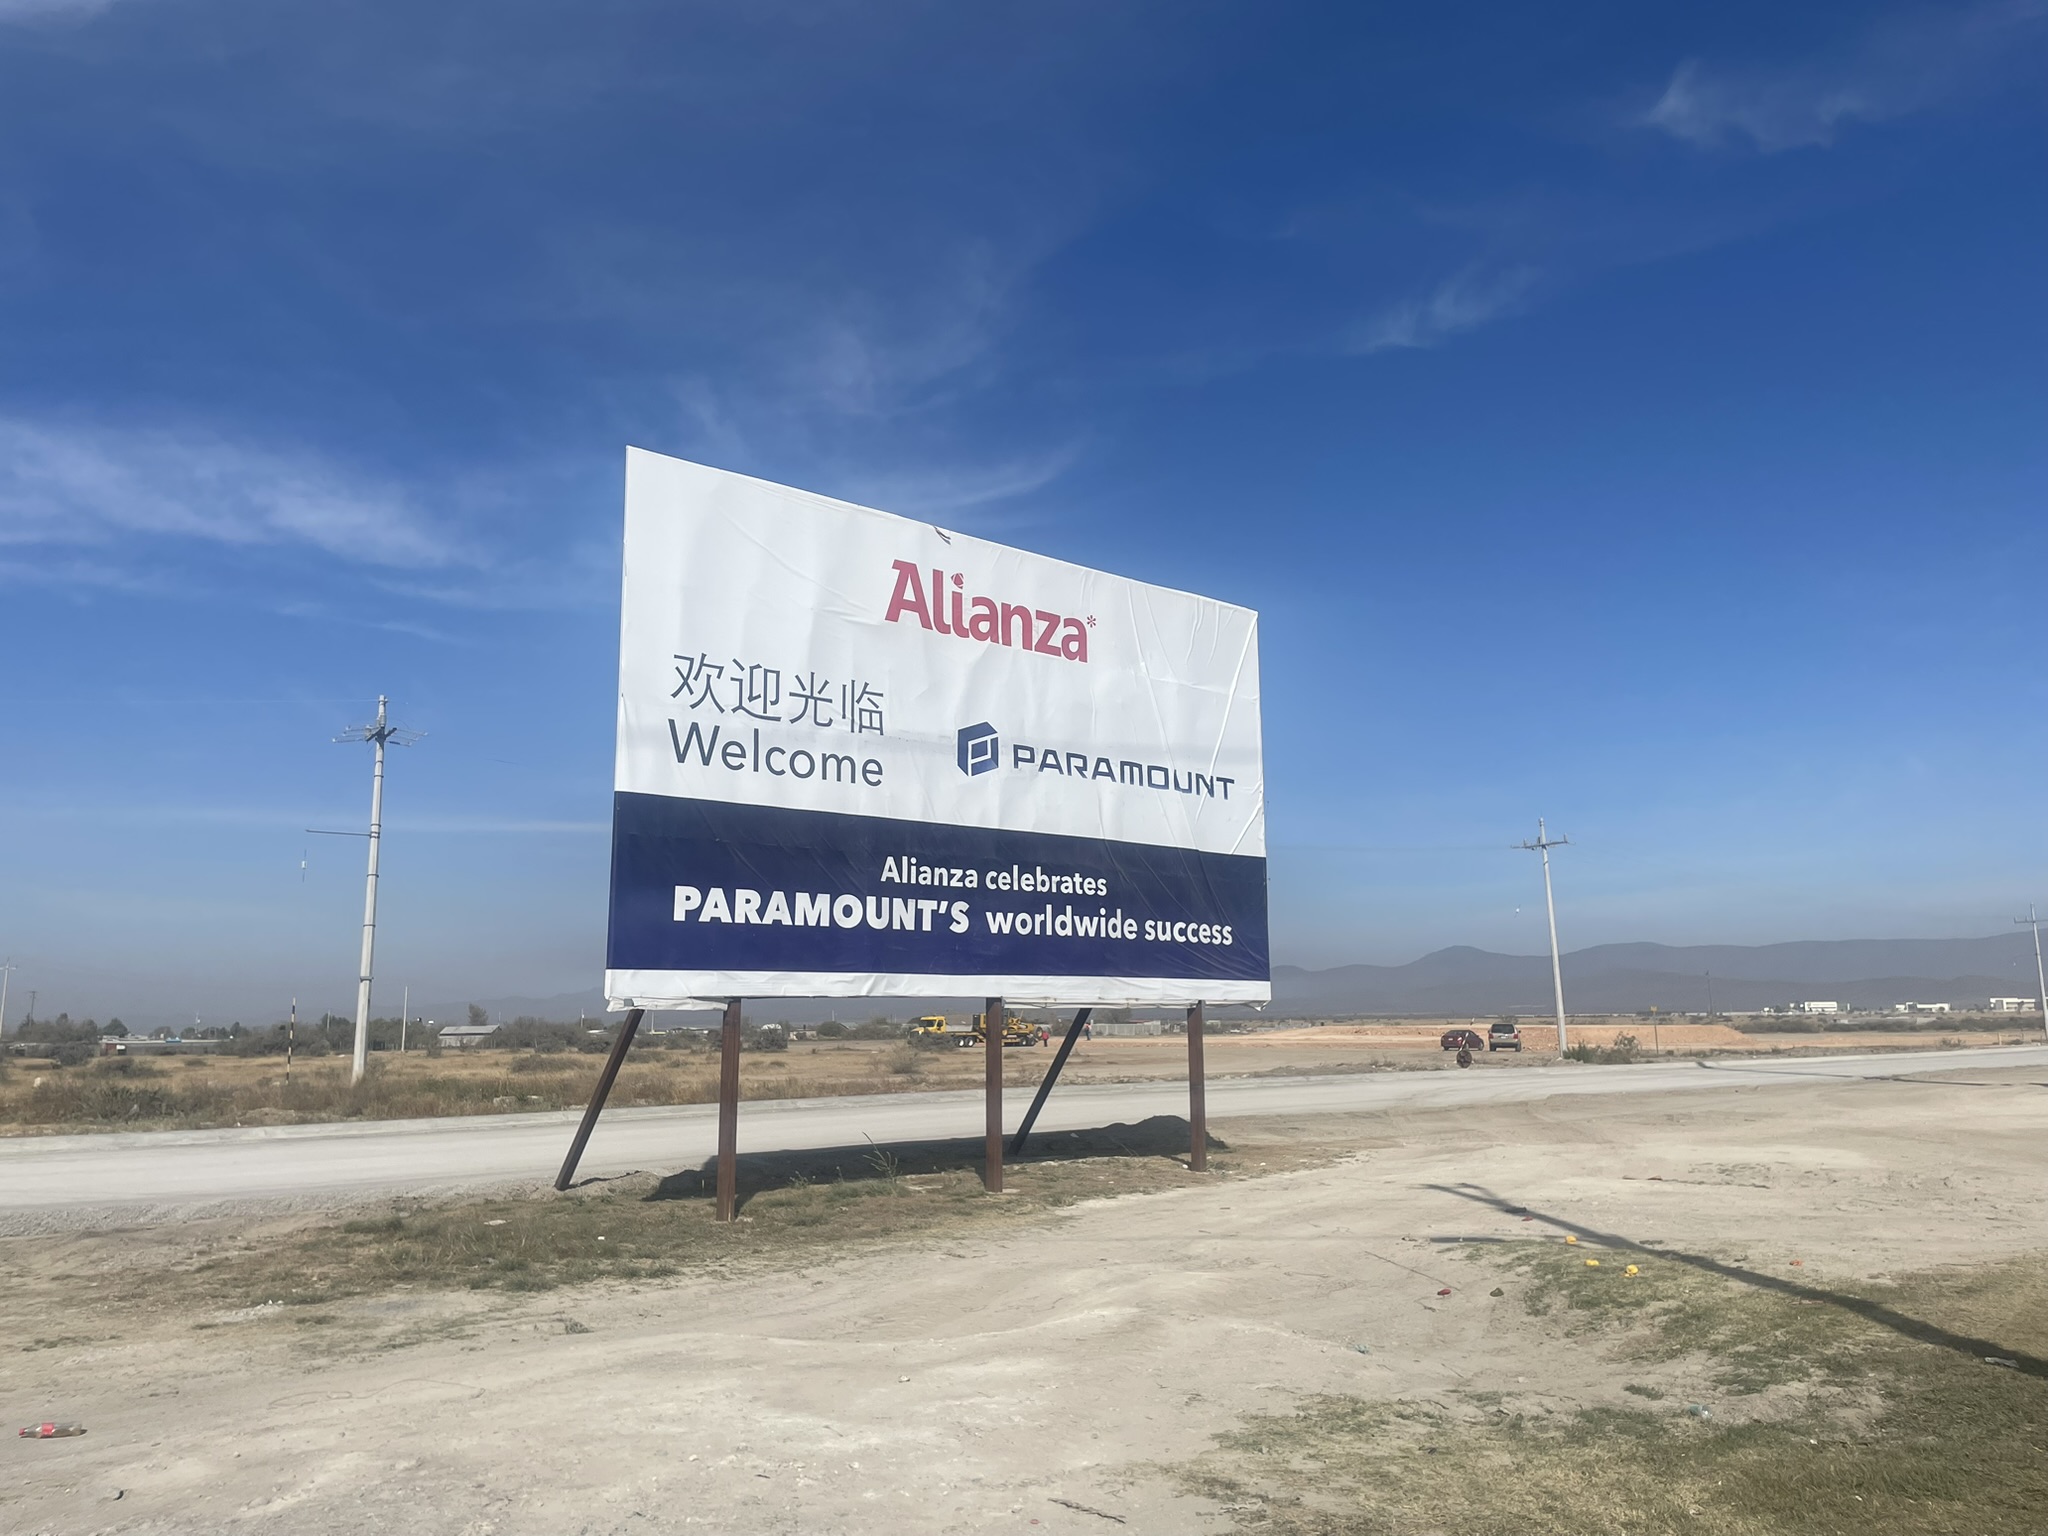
(1624, 978)
(1607, 978)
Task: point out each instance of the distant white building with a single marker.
(1818, 1007)
(467, 1036)
(1920, 1008)
(2012, 1005)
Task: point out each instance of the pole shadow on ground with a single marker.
(1918, 1329)
(1161, 1136)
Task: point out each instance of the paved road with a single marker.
(49, 1182)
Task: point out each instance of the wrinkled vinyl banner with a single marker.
(862, 756)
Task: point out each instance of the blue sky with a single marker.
(1633, 419)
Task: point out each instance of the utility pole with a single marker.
(2040, 977)
(404, 1018)
(379, 733)
(6, 975)
(1543, 844)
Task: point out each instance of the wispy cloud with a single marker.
(31, 10)
(1460, 303)
(1906, 64)
(940, 491)
(63, 485)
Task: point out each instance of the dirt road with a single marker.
(1048, 1380)
(48, 1183)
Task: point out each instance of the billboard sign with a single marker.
(862, 756)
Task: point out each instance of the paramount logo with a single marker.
(979, 750)
(987, 619)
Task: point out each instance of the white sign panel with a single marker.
(865, 756)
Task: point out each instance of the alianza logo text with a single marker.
(984, 618)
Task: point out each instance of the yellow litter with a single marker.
(1592, 1263)
(1632, 1270)
(1570, 1238)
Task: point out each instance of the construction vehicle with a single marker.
(1016, 1031)
(936, 1026)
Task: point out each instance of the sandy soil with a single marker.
(1046, 1380)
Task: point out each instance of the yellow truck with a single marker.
(936, 1026)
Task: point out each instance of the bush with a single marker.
(876, 1029)
(764, 1037)
(831, 1029)
(539, 1035)
(1626, 1048)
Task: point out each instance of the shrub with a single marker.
(831, 1029)
(1626, 1048)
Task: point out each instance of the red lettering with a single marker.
(908, 596)
(983, 625)
(1013, 614)
(1051, 623)
(982, 618)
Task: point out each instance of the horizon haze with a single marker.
(1621, 417)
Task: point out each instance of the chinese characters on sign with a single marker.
(736, 687)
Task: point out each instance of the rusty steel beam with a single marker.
(1052, 1075)
(729, 1112)
(596, 1105)
(992, 1017)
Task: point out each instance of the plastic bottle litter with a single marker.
(52, 1431)
(1700, 1411)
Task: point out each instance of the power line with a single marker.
(1543, 844)
(378, 733)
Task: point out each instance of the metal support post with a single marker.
(378, 733)
(992, 1017)
(729, 1112)
(2033, 921)
(361, 1062)
(1052, 1075)
(1198, 1107)
(1543, 844)
(596, 1105)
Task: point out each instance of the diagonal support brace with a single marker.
(595, 1108)
(1052, 1075)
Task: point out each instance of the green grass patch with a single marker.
(1919, 1435)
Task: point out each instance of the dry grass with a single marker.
(1903, 1427)
(140, 1093)
(794, 1207)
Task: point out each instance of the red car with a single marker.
(1463, 1040)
